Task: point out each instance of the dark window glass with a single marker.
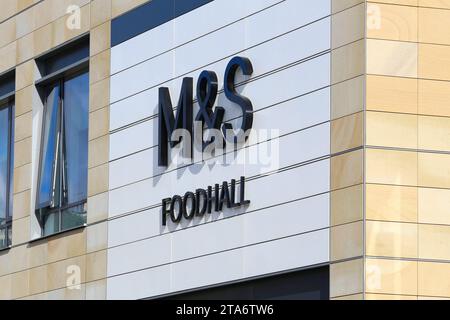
(312, 284)
(49, 148)
(6, 172)
(76, 119)
(67, 56)
(64, 155)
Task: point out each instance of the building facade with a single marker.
(125, 173)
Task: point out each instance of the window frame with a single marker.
(7, 102)
(49, 79)
(59, 210)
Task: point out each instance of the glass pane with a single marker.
(3, 239)
(74, 217)
(9, 231)
(51, 223)
(11, 162)
(50, 126)
(76, 123)
(4, 166)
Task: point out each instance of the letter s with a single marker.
(230, 92)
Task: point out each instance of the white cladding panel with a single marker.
(286, 226)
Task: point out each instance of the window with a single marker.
(7, 87)
(62, 185)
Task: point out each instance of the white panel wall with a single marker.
(286, 226)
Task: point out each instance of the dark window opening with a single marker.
(7, 88)
(312, 284)
(62, 185)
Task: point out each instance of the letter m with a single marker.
(168, 123)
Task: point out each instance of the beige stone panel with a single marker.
(392, 58)
(19, 258)
(64, 29)
(392, 94)
(347, 170)
(25, 74)
(22, 152)
(67, 245)
(391, 203)
(392, 22)
(434, 62)
(348, 62)
(23, 127)
(5, 285)
(38, 280)
(346, 278)
(434, 279)
(434, 206)
(348, 26)
(97, 237)
(8, 57)
(444, 4)
(391, 277)
(9, 8)
(434, 97)
(66, 272)
(391, 130)
(99, 95)
(352, 297)
(7, 32)
(21, 231)
(434, 26)
(339, 5)
(20, 284)
(121, 6)
(346, 241)
(42, 14)
(25, 23)
(100, 66)
(98, 151)
(346, 205)
(434, 133)
(100, 38)
(24, 100)
(347, 133)
(434, 170)
(96, 290)
(386, 297)
(96, 266)
(5, 263)
(37, 253)
(75, 293)
(22, 204)
(25, 48)
(98, 123)
(98, 208)
(401, 2)
(43, 39)
(24, 4)
(347, 97)
(391, 167)
(390, 239)
(98, 180)
(22, 178)
(433, 298)
(100, 12)
(434, 242)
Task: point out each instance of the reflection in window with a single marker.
(61, 200)
(6, 171)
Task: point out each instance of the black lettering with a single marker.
(230, 92)
(176, 217)
(189, 215)
(168, 123)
